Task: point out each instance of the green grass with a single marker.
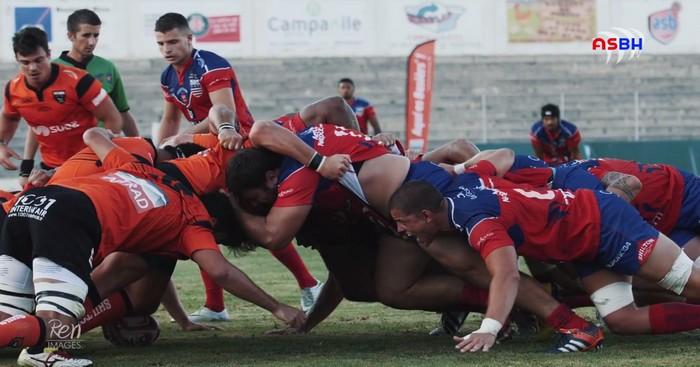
(355, 335)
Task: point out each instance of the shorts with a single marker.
(574, 178)
(682, 236)
(690, 208)
(54, 222)
(626, 240)
(431, 173)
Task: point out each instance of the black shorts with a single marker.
(54, 222)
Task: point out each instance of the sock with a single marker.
(22, 331)
(112, 308)
(215, 294)
(290, 258)
(668, 318)
(475, 299)
(563, 318)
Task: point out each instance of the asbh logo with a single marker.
(621, 40)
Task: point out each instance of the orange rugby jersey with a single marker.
(142, 210)
(58, 113)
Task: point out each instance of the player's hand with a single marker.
(193, 326)
(6, 153)
(386, 139)
(39, 177)
(335, 166)
(448, 167)
(475, 342)
(289, 315)
(230, 139)
(176, 140)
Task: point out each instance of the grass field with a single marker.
(355, 335)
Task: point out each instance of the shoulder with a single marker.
(537, 127)
(361, 102)
(207, 61)
(166, 75)
(104, 63)
(568, 128)
(71, 73)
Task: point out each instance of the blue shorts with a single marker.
(689, 218)
(682, 236)
(626, 240)
(575, 177)
(527, 161)
(431, 173)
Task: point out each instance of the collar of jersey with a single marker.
(80, 65)
(181, 76)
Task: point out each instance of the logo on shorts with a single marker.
(644, 249)
(434, 17)
(59, 96)
(620, 254)
(31, 206)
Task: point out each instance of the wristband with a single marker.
(488, 326)
(225, 126)
(459, 168)
(26, 167)
(316, 161)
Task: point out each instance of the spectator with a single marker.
(554, 140)
(363, 109)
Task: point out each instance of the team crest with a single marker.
(182, 95)
(663, 25)
(59, 96)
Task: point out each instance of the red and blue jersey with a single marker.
(363, 111)
(556, 147)
(530, 170)
(205, 73)
(547, 225)
(299, 185)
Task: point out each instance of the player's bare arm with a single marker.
(269, 135)
(503, 289)
(576, 153)
(170, 122)
(502, 159)
(329, 110)
(129, 126)
(100, 141)
(623, 185)
(222, 118)
(8, 127)
(237, 283)
(278, 228)
(108, 113)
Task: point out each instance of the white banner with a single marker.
(458, 26)
(315, 28)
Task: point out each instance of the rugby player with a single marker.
(131, 207)
(605, 238)
(58, 102)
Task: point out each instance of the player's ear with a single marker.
(71, 36)
(427, 215)
(271, 179)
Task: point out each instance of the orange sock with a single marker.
(21, 331)
(215, 294)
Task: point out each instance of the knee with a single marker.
(623, 321)
(392, 297)
(463, 149)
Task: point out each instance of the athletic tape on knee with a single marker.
(612, 297)
(678, 276)
(58, 289)
(16, 287)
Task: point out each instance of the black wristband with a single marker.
(26, 167)
(315, 161)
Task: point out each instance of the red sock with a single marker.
(114, 307)
(475, 299)
(215, 294)
(290, 258)
(668, 318)
(21, 331)
(563, 318)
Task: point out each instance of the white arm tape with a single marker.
(488, 326)
(459, 168)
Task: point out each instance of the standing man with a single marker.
(555, 141)
(363, 109)
(84, 32)
(195, 81)
(58, 102)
